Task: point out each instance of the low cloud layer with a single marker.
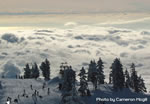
(12, 38)
(77, 46)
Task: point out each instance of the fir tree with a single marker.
(45, 68)
(117, 74)
(142, 87)
(100, 72)
(92, 74)
(27, 73)
(69, 79)
(35, 71)
(92, 68)
(71, 97)
(127, 79)
(137, 83)
(83, 83)
(63, 67)
(110, 77)
(134, 78)
(69, 93)
(94, 79)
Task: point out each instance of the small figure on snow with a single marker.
(34, 98)
(48, 92)
(0, 85)
(16, 101)
(24, 93)
(8, 100)
(60, 86)
(44, 84)
(35, 92)
(31, 87)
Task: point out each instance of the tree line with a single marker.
(118, 77)
(33, 72)
(123, 79)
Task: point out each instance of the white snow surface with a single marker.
(14, 87)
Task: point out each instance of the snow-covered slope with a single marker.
(105, 92)
(14, 87)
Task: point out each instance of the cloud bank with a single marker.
(77, 46)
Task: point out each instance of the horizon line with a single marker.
(46, 13)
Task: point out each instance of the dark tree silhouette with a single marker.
(92, 74)
(94, 80)
(110, 77)
(27, 73)
(83, 82)
(137, 83)
(134, 78)
(127, 79)
(45, 68)
(35, 71)
(142, 87)
(117, 75)
(69, 93)
(63, 67)
(100, 72)
(69, 79)
(92, 68)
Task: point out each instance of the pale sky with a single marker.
(73, 6)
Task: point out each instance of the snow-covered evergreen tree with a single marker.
(27, 73)
(92, 68)
(69, 79)
(63, 67)
(127, 79)
(92, 73)
(100, 72)
(134, 78)
(35, 71)
(83, 82)
(69, 93)
(137, 83)
(45, 68)
(94, 80)
(71, 97)
(142, 87)
(117, 74)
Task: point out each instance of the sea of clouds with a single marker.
(77, 46)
